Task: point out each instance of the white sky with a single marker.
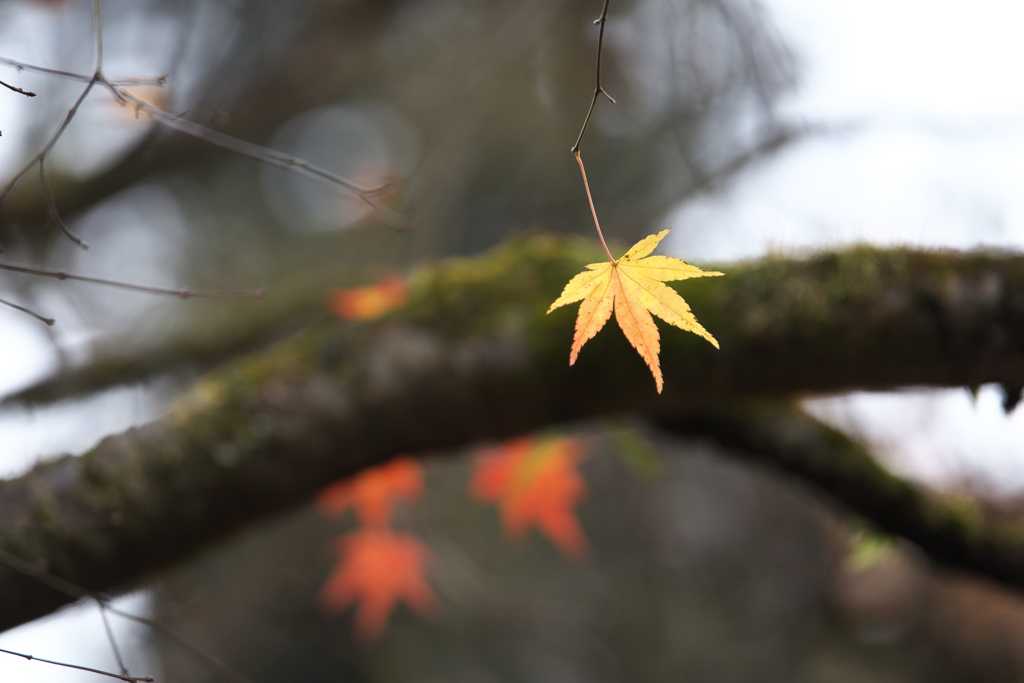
(929, 98)
(929, 141)
(930, 152)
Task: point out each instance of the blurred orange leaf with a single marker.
(535, 484)
(153, 95)
(371, 301)
(378, 568)
(373, 492)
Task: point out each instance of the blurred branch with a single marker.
(771, 143)
(180, 292)
(264, 101)
(473, 356)
(368, 195)
(194, 344)
(940, 305)
(40, 159)
(743, 29)
(123, 677)
(75, 592)
(786, 439)
(72, 76)
(51, 207)
(28, 311)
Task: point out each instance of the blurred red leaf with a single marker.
(373, 492)
(371, 301)
(378, 568)
(535, 484)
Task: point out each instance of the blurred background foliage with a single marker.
(708, 571)
(466, 110)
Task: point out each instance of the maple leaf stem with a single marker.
(593, 211)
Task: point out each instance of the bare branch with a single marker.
(110, 638)
(27, 93)
(97, 39)
(598, 89)
(785, 438)
(84, 78)
(40, 158)
(214, 664)
(6, 191)
(48, 321)
(369, 195)
(51, 207)
(180, 293)
(123, 677)
(22, 66)
(76, 592)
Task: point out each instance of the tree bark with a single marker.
(473, 356)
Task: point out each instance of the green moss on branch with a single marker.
(473, 356)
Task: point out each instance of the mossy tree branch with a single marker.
(952, 531)
(473, 356)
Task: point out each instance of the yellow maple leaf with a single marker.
(634, 288)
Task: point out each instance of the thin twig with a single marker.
(97, 39)
(51, 207)
(75, 591)
(51, 204)
(598, 89)
(123, 677)
(48, 321)
(40, 158)
(49, 145)
(22, 66)
(84, 78)
(26, 93)
(369, 195)
(213, 663)
(180, 293)
(110, 637)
